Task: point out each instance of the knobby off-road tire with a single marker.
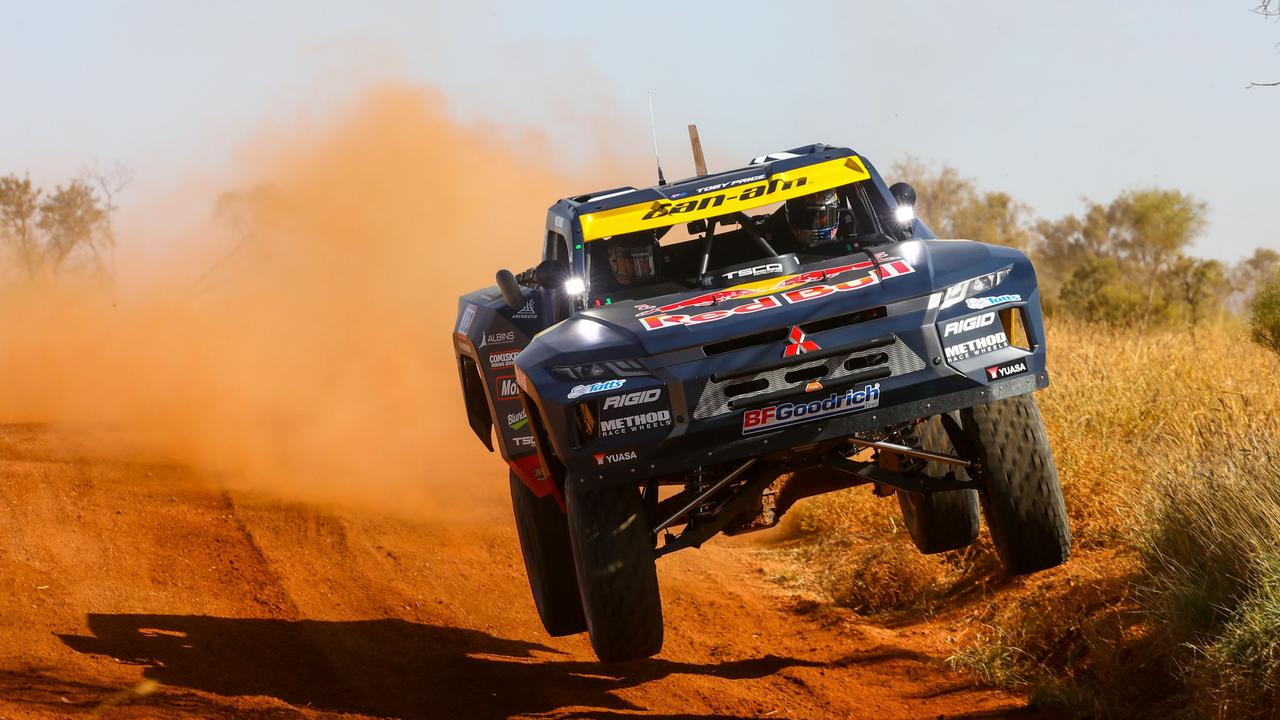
(548, 560)
(946, 520)
(613, 550)
(1021, 497)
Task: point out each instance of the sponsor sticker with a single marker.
(515, 421)
(523, 440)
(977, 346)
(786, 414)
(753, 271)
(498, 338)
(969, 324)
(502, 359)
(507, 387)
(1008, 369)
(609, 458)
(771, 294)
(979, 303)
(635, 423)
(468, 315)
(528, 312)
(640, 397)
(578, 391)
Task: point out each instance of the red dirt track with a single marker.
(123, 570)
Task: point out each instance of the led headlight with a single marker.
(575, 286)
(974, 286)
(600, 370)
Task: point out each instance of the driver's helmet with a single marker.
(814, 218)
(633, 258)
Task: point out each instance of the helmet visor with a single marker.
(633, 264)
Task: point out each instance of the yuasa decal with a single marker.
(614, 457)
(786, 414)
(977, 346)
(507, 387)
(978, 303)
(579, 390)
(502, 359)
(956, 327)
(640, 397)
(1009, 369)
(635, 423)
(888, 268)
(498, 338)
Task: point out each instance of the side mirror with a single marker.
(905, 212)
(510, 290)
(551, 274)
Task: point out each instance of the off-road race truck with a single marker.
(639, 419)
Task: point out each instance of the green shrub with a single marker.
(1264, 315)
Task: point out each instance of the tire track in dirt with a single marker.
(244, 606)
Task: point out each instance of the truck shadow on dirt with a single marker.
(386, 667)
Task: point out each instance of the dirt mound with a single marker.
(124, 572)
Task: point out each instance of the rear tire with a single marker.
(613, 551)
(945, 520)
(548, 560)
(1021, 498)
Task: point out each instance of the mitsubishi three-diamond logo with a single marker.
(797, 344)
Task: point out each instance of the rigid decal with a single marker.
(786, 414)
(956, 327)
(579, 390)
(635, 423)
(640, 397)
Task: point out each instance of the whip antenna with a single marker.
(653, 127)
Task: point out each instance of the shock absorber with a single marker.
(699, 481)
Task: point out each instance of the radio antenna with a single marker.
(653, 127)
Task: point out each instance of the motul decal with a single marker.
(889, 267)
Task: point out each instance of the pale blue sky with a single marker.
(1049, 101)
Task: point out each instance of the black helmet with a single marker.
(633, 258)
(814, 218)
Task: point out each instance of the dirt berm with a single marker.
(139, 589)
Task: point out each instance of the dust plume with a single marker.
(301, 344)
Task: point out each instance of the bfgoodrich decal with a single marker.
(785, 414)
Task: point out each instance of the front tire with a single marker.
(548, 560)
(613, 551)
(945, 520)
(1021, 498)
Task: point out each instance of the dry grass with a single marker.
(1167, 443)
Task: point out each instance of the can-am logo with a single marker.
(640, 397)
(976, 347)
(614, 457)
(785, 414)
(635, 423)
(1009, 369)
(507, 387)
(970, 323)
(498, 338)
(502, 359)
(979, 303)
(869, 274)
(579, 390)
